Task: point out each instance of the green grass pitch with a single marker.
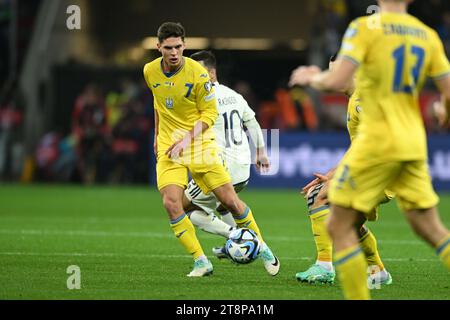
(121, 240)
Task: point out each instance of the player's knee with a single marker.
(332, 228)
(337, 228)
(172, 205)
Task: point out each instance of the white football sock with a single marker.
(228, 219)
(210, 223)
(382, 275)
(203, 258)
(326, 265)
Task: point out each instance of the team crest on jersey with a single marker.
(208, 86)
(169, 84)
(169, 103)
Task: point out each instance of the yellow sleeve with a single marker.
(206, 101)
(147, 76)
(440, 66)
(355, 42)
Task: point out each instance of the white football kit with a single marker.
(234, 148)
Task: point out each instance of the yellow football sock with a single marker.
(351, 269)
(246, 220)
(185, 232)
(443, 250)
(368, 244)
(324, 245)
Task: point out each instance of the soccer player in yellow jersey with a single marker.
(185, 110)
(392, 53)
(322, 271)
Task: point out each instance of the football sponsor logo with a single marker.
(210, 97)
(351, 32)
(180, 234)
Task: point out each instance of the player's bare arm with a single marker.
(442, 110)
(338, 79)
(262, 160)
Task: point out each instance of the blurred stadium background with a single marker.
(75, 112)
(74, 107)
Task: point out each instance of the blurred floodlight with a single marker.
(200, 43)
(243, 43)
(195, 43)
(298, 44)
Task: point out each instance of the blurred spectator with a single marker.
(305, 108)
(90, 128)
(289, 111)
(244, 88)
(131, 137)
(11, 117)
(56, 158)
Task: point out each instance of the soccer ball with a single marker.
(243, 246)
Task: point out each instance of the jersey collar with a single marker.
(171, 74)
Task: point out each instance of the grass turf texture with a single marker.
(121, 240)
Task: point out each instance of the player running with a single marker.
(322, 271)
(394, 53)
(234, 115)
(185, 110)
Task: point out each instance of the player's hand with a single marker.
(441, 113)
(262, 162)
(176, 150)
(302, 76)
(320, 178)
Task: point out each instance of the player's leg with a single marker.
(184, 229)
(349, 257)
(213, 177)
(418, 200)
(244, 219)
(378, 274)
(210, 223)
(172, 179)
(201, 209)
(226, 216)
(322, 270)
(428, 225)
(355, 191)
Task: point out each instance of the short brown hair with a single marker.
(170, 30)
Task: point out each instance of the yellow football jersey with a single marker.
(395, 52)
(181, 99)
(353, 111)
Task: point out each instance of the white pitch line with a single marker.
(86, 233)
(162, 256)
